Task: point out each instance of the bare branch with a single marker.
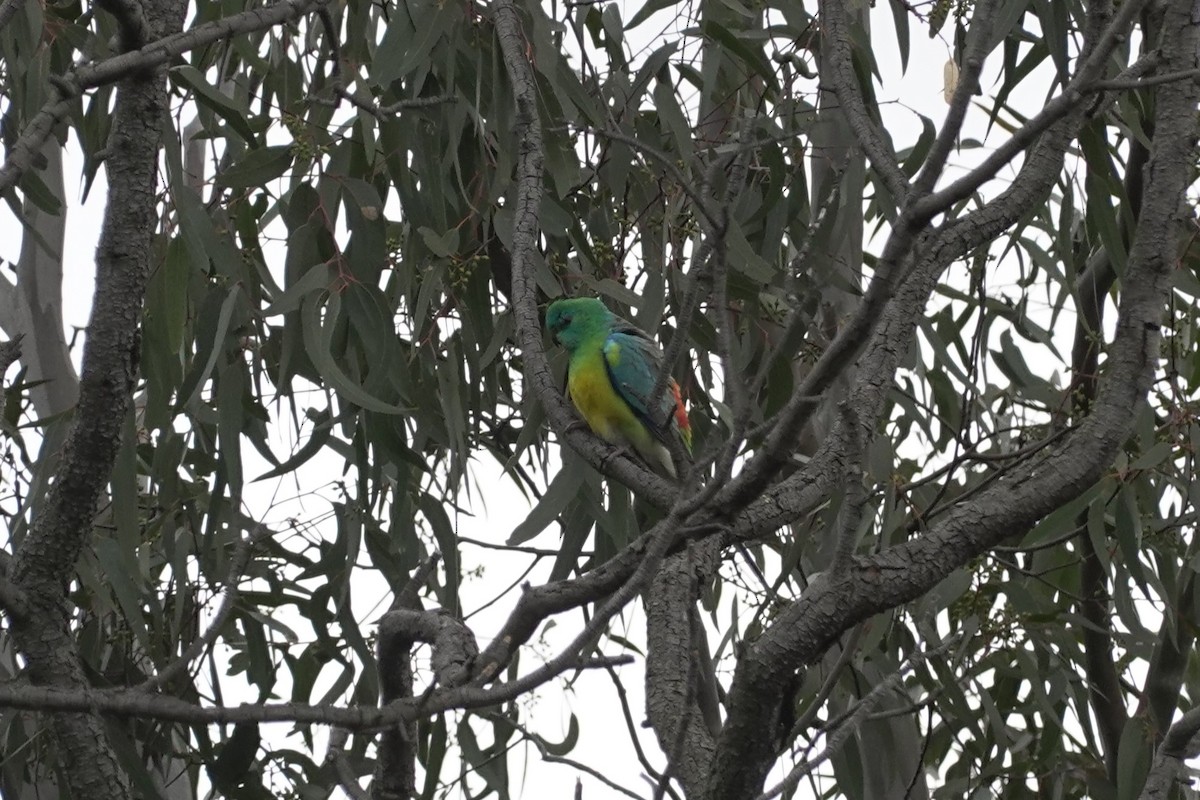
(383, 113)
(453, 642)
(1132, 84)
(631, 728)
(131, 703)
(539, 602)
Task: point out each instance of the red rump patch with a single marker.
(681, 417)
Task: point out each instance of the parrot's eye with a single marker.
(560, 323)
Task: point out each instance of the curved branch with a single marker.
(405, 623)
(539, 602)
(539, 380)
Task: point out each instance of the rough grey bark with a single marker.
(1181, 743)
(44, 561)
(677, 676)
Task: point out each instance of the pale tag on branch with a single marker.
(949, 79)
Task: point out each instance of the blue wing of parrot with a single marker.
(634, 361)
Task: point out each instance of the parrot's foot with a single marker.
(576, 425)
(621, 450)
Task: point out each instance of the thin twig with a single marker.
(517, 548)
(237, 567)
(1121, 84)
(853, 720)
(549, 757)
(835, 673)
(631, 728)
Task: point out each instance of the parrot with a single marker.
(611, 373)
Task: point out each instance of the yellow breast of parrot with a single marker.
(602, 408)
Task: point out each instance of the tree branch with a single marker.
(1180, 744)
(539, 380)
(836, 39)
(855, 499)
(396, 759)
(979, 38)
(130, 19)
(673, 664)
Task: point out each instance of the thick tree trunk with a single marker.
(44, 561)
